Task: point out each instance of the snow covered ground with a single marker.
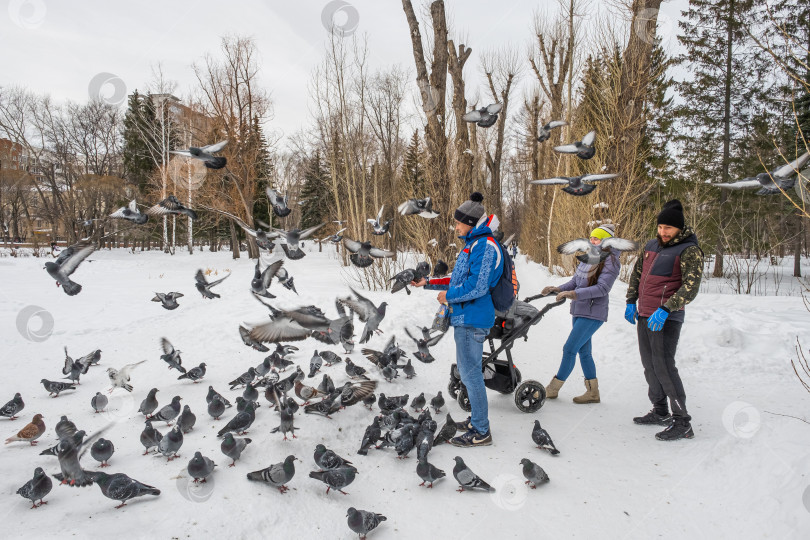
(746, 474)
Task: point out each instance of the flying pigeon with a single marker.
(264, 239)
(13, 407)
(363, 254)
(150, 437)
(773, 182)
(542, 439)
(70, 451)
(423, 207)
(276, 475)
(99, 402)
(55, 387)
(204, 287)
(583, 149)
(73, 369)
(468, 479)
(334, 238)
(363, 522)
(90, 359)
(66, 263)
(120, 487)
(168, 300)
(423, 352)
(292, 241)
(37, 488)
(367, 312)
(379, 227)
(31, 432)
(171, 206)
(595, 254)
(120, 378)
(278, 202)
(233, 447)
(533, 473)
(130, 213)
(485, 116)
(171, 356)
(286, 279)
(250, 342)
(200, 467)
(194, 374)
(102, 450)
(544, 133)
(205, 154)
(575, 185)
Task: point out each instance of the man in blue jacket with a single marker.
(468, 295)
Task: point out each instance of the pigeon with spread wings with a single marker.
(583, 149)
(575, 185)
(773, 182)
(205, 154)
(293, 239)
(69, 259)
(130, 213)
(595, 254)
(171, 206)
(363, 254)
(485, 116)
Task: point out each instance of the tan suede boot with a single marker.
(591, 394)
(553, 388)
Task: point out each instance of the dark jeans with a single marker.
(657, 351)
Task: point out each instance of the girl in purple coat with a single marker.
(588, 291)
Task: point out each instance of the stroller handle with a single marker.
(536, 297)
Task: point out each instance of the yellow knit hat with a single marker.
(603, 232)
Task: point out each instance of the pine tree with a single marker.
(140, 123)
(264, 171)
(315, 193)
(413, 172)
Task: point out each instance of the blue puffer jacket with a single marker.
(478, 268)
(592, 301)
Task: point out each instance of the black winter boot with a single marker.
(678, 429)
(652, 418)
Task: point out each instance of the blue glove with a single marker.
(657, 319)
(631, 313)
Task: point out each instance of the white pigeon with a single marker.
(119, 378)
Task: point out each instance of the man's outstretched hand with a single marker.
(421, 283)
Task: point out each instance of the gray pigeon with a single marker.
(120, 487)
(187, 419)
(533, 473)
(263, 278)
(576, 185)
(485, 116)
(355, 371)
(150, 437)
(90, 359)
(428, 472)
(168, 412)
(371, 436)
(419, 402)
(233, 447)
(336, 479)
(149, 404)
(170, 444)
(367, 312)
(379, 227)
(36, 488)
(68, 261)
(171, 356)
(204, 286)
(241, 422)
(55, 387)
(773, 182)
(73, 369)
(328, 459)
(363, 254)
(13, 407)
(405, 443)
(468, 479)
(408, 369)
(263, 239)
(244, 378)
(212, 393)
(330, 358)
(168, 300)
(542, 439)
(423, 345)
(279, 202)
(102, 450)
(447, 432)
(194, 374)
(326, 386)
(276, 475)
(69, 453)
(544, 133)
(594, 254)
(200, 467)
(98, 402)
(250, 393)
(390, 372)
(315, 364)
(206, 154)
(286, 425)
(286, 280)
(171, 206)
(216, 407)
(244, 333)
(437, 402)
(363, 522)
(64, 428)
(77, 439)
(130, 213)
(369, 401)
(292, 239)
(583, 149)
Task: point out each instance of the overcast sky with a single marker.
(60, 47)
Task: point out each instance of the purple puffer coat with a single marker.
(592, 302)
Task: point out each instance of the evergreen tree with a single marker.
(264, 171)
(140, 123)
(413, 172)
(315, 193)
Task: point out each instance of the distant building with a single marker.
(191, 125)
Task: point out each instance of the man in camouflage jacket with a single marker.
(665, 278)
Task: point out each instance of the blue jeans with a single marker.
(579, 342)
(469, 351)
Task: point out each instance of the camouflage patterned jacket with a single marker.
(667, 276)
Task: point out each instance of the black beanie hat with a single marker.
(672, 214)
(470, 211)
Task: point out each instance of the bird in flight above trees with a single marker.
(205, 154)
(575, 185)
(485, 116)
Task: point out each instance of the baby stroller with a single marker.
(502, 375)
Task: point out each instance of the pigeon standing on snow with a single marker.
(194, 374)
(378, 227)
(68, 261)
(64, 428)
(367, 312)
(276, 475)
(168, 300)
(120, 487)
(12, 407)
(336, 479)
(485, 116)
(98, 402)
(73, 369)
(533, 473)
(576, 185)
(354, 371)
(595, 254)
(119, 378)
(447, 432)
(150, 437)
(437, 402)
(428, 472)
(206, 154)
(363, 254)
(372, 434)
(200, 467)
(544, 133)
(244, 378)
(171, 206)
(468, 479)
(241, 422)
(31, 432)
(169, 412)
(102, 450)
(36, 488)
(171, 443)
(328, 459)
(149, 404)
(212, 393)
(286, 424)
(233, 447)
(216, 407)
(422, 207)
(171, 355)
(70, 452)
(204, 287)
(55, 387)
(363, 522)
(187, 419)
(315, 364)
(418, 402)
(278, 202)
(130, 213)
(583, 149)
(542, 439)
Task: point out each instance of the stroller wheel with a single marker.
(530, 396)
(464, 400)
